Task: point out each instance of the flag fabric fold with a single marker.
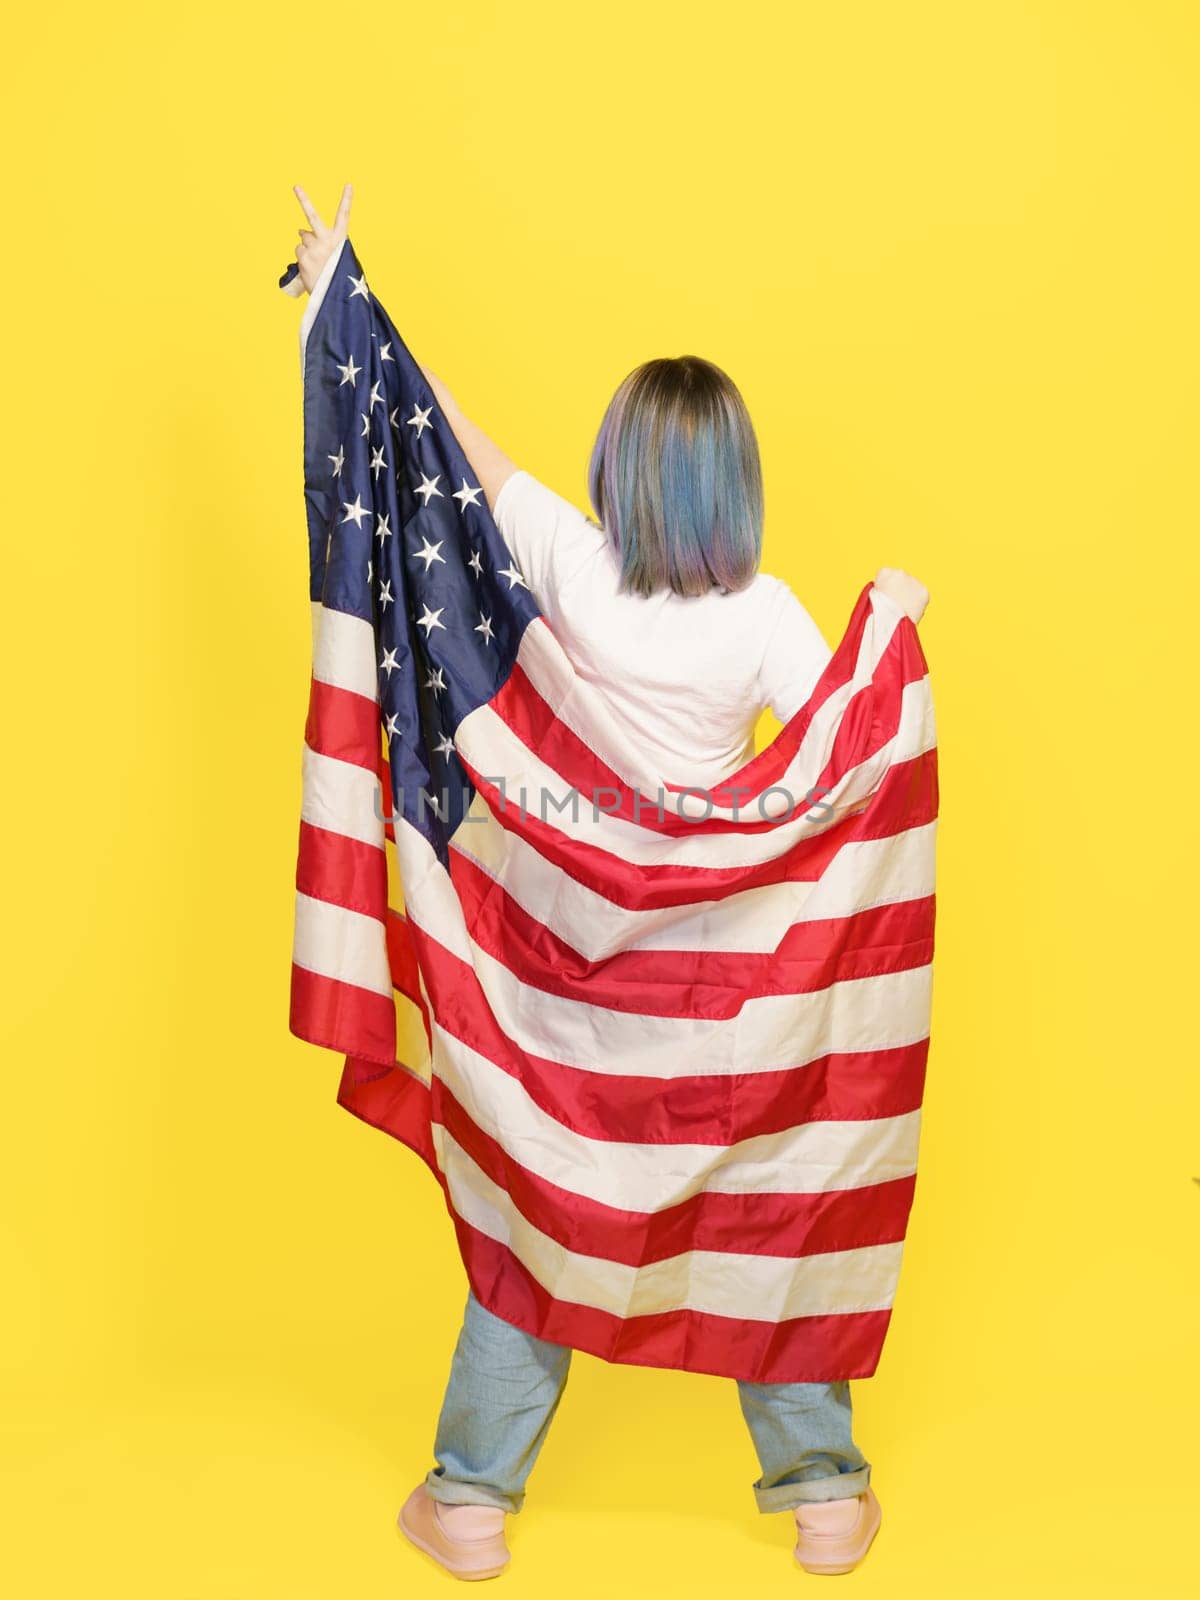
(662, 1046)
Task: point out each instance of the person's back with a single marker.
(686, 675)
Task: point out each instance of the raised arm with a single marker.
(488, 462)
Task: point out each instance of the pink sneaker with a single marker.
(467, 1540)
(834, 1535)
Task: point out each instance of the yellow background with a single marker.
(949, 252)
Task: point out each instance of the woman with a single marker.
(661, 605)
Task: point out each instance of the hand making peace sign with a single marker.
(318, 243)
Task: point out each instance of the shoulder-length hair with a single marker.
(675, 479)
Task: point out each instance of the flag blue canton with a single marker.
(400, 534)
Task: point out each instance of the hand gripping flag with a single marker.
(663, 1047)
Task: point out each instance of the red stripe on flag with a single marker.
(393, 1099)
(342, 1016)
(343, 725)
(692, 983)
(798, 1350)
(343, 871)
(402, 959)
(708, 1108)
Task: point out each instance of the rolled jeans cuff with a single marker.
(786, 1496)
(452, 1493)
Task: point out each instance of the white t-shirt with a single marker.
(688, 676)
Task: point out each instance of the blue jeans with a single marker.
(505, 1386)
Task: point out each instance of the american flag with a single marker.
(663, 1048)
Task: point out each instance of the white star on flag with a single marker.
(356, 512)
(428, 553)
(468, 496)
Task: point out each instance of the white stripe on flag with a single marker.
(340, 944)
(344, 651)
(342, 797)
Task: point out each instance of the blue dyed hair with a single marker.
(676, 481)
